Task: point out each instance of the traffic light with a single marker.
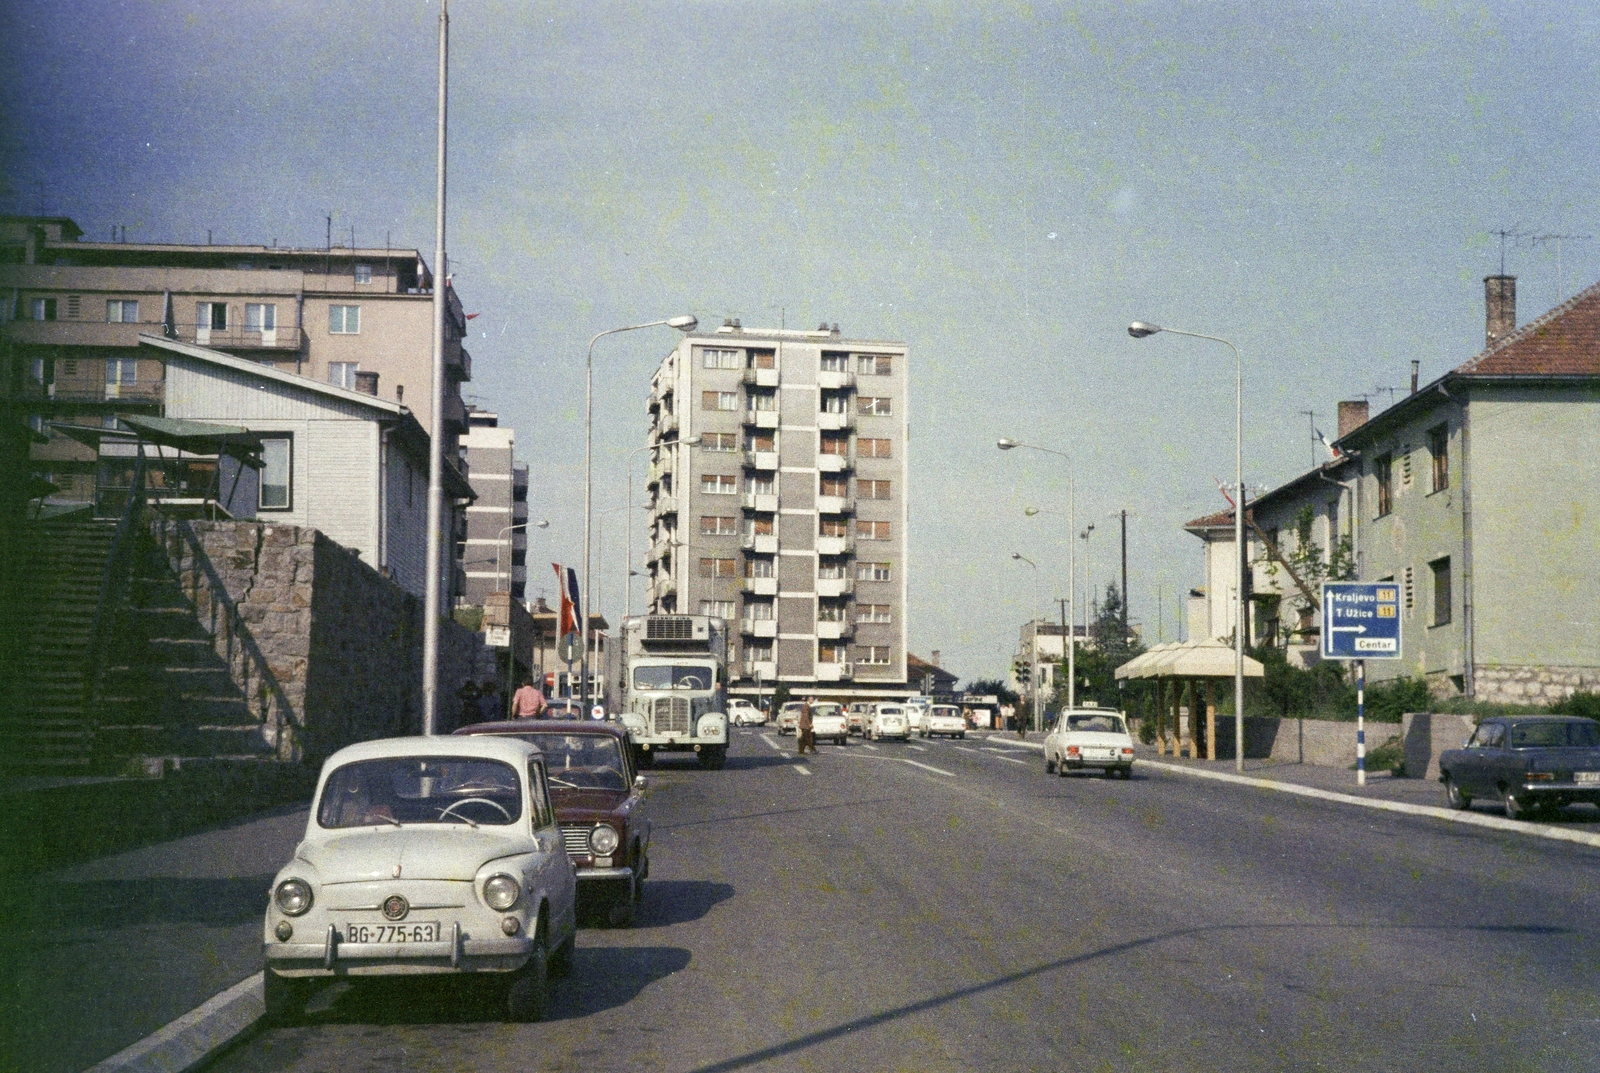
(1022, 670)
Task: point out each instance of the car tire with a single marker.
(529, 990)
(284, 997)
(561, 961)
(1517, 807)
(1061, 768)
(1453, 795)
(1049, 765)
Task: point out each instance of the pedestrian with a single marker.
(490, 706)
(1007, 714)
(803, 725)
(468, 696)
(528, 702)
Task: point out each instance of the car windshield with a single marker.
(678, 676)
(890, 711)
(1096, 724)
(944, 711)
(421, 789)
(582, 761)
(1555, 733)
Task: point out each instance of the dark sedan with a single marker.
(1534, 765)
(599, 803)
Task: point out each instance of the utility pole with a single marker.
(1124, 514)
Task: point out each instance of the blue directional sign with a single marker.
(1360, 620)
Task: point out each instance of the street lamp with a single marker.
(692, 441)
(1033, 678)
(1141, 330)
(1072, 573)
(686, 323)
(500, 536)
(1088, 587)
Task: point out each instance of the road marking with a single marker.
(770, 741)
(1013, 759)
(920, 748)
(868, 745)
(802, 769)
(928, 767)
(1497, 823)
(964, 749)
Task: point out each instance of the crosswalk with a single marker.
(1008, 755)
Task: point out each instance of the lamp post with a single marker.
(686, 323)
(692, 441)
(500, 536)
(1033, 676)
(1141, 330)
(1008, 444)
(1088, 588)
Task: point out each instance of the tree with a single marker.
(1311, 565)
(996, 687)
(1109, 648)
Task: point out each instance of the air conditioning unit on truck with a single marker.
(675, 686)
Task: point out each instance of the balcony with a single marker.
(759, 627)
(836, 505)
(834, 631)
(835, 545)
(829, 422)
(664, 504)
(835, 463)
(96, 390)
(760, 543)
(835, 586)
(761, 418)
(767, 460)
(760, 502)
(834, 672)
(761, 586)
(760, 377)
(764, 669)
(237, 338)
(668, 422)
(835, 380)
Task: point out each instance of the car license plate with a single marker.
(420, 932)
(1586, 776)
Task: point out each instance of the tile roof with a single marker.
(1563, 342)
(1223, 519)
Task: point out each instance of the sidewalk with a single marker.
(102, 954)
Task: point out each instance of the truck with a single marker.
(675, 686)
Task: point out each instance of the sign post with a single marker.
(567, 651)
(1360, 621)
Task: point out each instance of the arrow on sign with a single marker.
(1349, 629)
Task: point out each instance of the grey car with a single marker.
(1533, 765)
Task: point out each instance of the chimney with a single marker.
(367, 382)
(1352, 415)
(1500, 307)
(1416, 368)
(936, 657)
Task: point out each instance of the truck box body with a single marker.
(674, 685)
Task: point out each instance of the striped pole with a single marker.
(1361, 722)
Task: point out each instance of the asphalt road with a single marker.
(947, 906)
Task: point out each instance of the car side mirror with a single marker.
(640, 782)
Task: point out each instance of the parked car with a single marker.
(424, 856)
(788, 717)
(599, 802)
(888, 721)
(741, 713)
(828, 721)
(859, 714)
(1534, 765)
(942, 719)
(1089, 738)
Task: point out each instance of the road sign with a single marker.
(497, 636)
(567, 648)
(1360, 620)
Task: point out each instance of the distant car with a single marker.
(859, 714)
(599, 802)
(1534, 765)
(788, 717)
(942, 719)
(742, 713)
(424, 856)
(888, 721)
(1089, 738)
(828, 721)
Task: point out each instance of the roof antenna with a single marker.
(1536, 240)
(1514, 231)
(1311, 424)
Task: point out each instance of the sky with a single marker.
(1003, 187)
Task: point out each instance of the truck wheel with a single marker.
(712, 757)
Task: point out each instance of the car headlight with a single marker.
(501, 891)
(603, 840)
(293, 896)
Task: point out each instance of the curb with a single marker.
(194, 1038)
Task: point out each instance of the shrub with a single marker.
(1390, 757)
(1388, 701)
(1584, 704)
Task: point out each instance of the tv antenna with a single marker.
(1513, 232)
(1311, 427)
(1537, 240)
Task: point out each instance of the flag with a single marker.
(1224, 490)
(1333, 452)
(571, 611)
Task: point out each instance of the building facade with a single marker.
(778, 502)
(493, 552)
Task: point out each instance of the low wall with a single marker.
(1532, 685)
(1324, 742)
(1427, 735)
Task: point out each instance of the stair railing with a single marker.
(113, 584)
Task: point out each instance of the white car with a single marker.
(788, 717)
(828, 720)
(888, 721)
(942, 719)
(1089, 738)
(425, 856)
(741, 713)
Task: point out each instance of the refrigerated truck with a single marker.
(675, 686)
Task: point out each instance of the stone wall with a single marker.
(1533, 685)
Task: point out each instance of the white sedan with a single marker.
(425, 856)
(1089, 738)
(942, 719)
(828, 720)
(888, 721)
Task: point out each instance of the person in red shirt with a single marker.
(528, 702)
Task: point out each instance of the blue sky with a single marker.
(1002, 186)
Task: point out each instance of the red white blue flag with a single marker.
(571, 608)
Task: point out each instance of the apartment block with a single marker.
(493, 551)
(778, 502)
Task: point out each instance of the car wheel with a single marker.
(1518, 807)
(1049, 765)
(284, 996)
(561, 960)
(1453, 795)
(530, 986)
(1061, 768)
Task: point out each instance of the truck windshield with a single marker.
(672, 677)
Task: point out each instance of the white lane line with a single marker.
(1012, 759)
(1498, 823)
(802, 769)
(868, 745)
(964, 749)
(769, 740)
(920, 748)
(928, 767)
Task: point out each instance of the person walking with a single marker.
(491, 705)
(803, 726)
(528, 702)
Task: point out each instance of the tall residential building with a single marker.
(788, 518)
(493, 555)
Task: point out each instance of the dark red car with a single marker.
(599, 802)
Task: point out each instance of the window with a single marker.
(830, 611)
(758, 568)
(121, 371)
(717, 608)
(873, 613)
(762, 401)
(1383, 472)
(832, 527)
(363, 273)
(873, 489)
(721, 359)
(719, 400)
(834, 444)
(758, 651)
(718, 568)
(874, 365)
(719, 484)
(833, 570)
(120, 311)
(834, 362)
(1405, 465)
(763, 359)
(1439, 452)
(277, 481)
(836, 486)
(758, 611)
(260, 317)
(872, 530)
(74, 306)
(344, 320)
(42, 371)
(36, 422)
(719, 441)
(211, 316)
(869, 448)
(1409, 587)
(713, 525)
(762, 441)
(44, 309)
(1441, 590)
(879, 407)
(760, 485)
(872, 571)
(832, 402)
(829, 652)
(877, 655)
(762, 526)
(343, 374)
